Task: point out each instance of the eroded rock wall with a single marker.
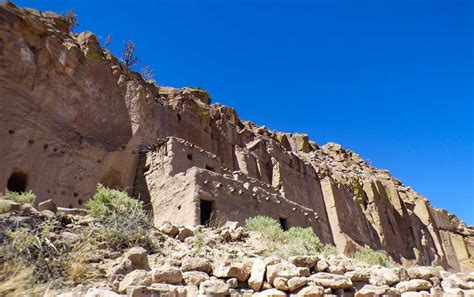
(72, 116)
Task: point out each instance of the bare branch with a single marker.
(129, 58)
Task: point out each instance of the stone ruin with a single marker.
(72, 116)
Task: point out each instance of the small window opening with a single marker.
(178, 116)
(284, 223)
(17, 182)
(210, 168)
(206, 211)
(189, 156)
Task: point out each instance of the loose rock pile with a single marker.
(188, 275)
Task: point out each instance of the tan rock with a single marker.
(422, 272)
(413, 285)
(194, 277)
(295, 283)
(135, 278)
(257, 274)
(383, 276)
(48, 205)
(359, 275)
(328, 280)
(285, 270)
(280, 283)
(169, 229)
(196, 264)
(321, 266)
(371, 291)
(303, 271)
(167, 275)
(304, 261)
(185, 233)
(241, 271)
(270, 293)
(310, 291)
(214, 288)
(416, 294)
(94, 292)
(139, 258)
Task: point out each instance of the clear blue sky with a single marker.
(392, 80)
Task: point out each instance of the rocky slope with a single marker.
(194, 261)
(72, 115)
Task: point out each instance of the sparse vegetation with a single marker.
(71, 18)
(107, 40)
(199, 244)
(295, 241)
(4, 206)
(372, 257)
(128, 55)
(147, 74)
(22, 198)
(124, 222)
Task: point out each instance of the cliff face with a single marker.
(73, 116)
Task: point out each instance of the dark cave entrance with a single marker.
(17, 182)
(284, 223)
(206, 211)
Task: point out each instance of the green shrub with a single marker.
(107, 202)
(4, 207)
(372, 257)
(22, 198)
(294, 242)
(268, 227)
(304, 239)
(199, 244)
(123, 221)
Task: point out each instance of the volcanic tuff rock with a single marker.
(72, 115)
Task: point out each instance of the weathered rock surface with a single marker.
(72, 115)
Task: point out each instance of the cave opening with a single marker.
(17, 182)
(206, 211)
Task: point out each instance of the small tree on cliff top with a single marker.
(129, 57)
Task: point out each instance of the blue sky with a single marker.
(391, 80)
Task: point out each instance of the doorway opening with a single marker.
(206, 211)
(284, 223)
(17, 182)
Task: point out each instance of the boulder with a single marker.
(303, 271)
(359, 275)
(184, 233)
(257, 274)
(295, 283)
(196, 264)
(241, 271)
(139, 258)
(169, 229)
(422, 272)
(214, 288)
(310, 291)
(321, 266)
(232, 282)
(284, 269)
(413, 285)
(383, 276)
(135, 278)
(194, 277)
(48, 205)
(280, 283)
(167, 274)
(303, 261)
(328, 280)
(371, 291)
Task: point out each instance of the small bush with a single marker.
(107, 202)
(294, 242)
(305, 239)
(4, 207)
(199, 244)
(268, 227)
(124, 222)
(372, 257)
(22, 198)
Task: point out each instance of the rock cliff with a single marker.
(72, 116)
